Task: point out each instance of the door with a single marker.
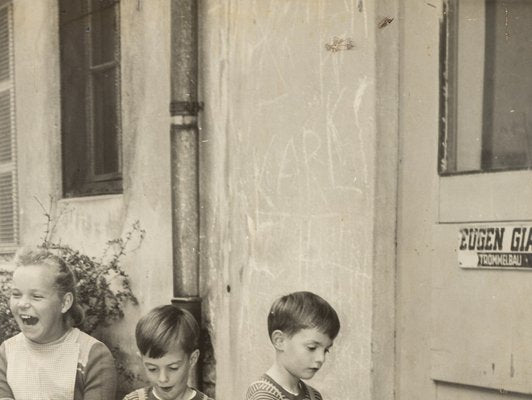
(464, 276)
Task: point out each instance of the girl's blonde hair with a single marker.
(65, 280)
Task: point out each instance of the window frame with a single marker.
(473, 196)
(92, 183)
(447, 143)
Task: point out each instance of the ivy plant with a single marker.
(103, 288)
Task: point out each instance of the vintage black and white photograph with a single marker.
(265, 199)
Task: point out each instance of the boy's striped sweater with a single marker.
(267, 389)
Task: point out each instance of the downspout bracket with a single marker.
(185, 108)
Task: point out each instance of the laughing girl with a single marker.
(50, 358)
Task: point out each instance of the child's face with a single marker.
(304, 353)
(36, 305)
(169, 374)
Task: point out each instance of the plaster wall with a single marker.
(288, 182)
(297, 161)
(87, 223)
(416, 196)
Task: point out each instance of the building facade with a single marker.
(341, 147)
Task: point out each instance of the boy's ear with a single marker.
(68, 299)
(278, 339)
(194, 356)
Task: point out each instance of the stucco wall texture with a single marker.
(287, 162)
(88, 223)
(288, 165)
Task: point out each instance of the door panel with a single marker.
(500, 196)
(457, 392)
(482, 324)
(462, 333)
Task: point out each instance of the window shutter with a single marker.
(5, 44)
(8, 177)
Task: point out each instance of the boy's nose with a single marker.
(163, 376)
(320, 357)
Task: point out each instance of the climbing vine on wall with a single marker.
(102, 284)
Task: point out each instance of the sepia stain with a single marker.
(384, 22)
(339, 44)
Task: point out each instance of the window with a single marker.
(8, 173)
(486, 91)
(90, 97)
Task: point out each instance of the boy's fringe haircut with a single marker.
(163, 328)
(302, 310)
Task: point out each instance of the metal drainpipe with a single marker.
(184, 108)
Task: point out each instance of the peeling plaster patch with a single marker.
(339, 44)
(384, 22)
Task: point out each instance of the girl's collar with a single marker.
(62, 339)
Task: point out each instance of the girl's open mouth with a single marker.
(29, 319)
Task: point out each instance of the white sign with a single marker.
(491, 246)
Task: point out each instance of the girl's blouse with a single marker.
(76, 366)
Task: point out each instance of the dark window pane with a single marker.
(90, 87)
(97, 5)
(106, 145)
(487, 86)
(70, 10)
(7, 213)
(73, 103)
(507, 131)
(5, 127)
(103, 31)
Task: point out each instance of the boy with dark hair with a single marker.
(302, 327)
(167, 339)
